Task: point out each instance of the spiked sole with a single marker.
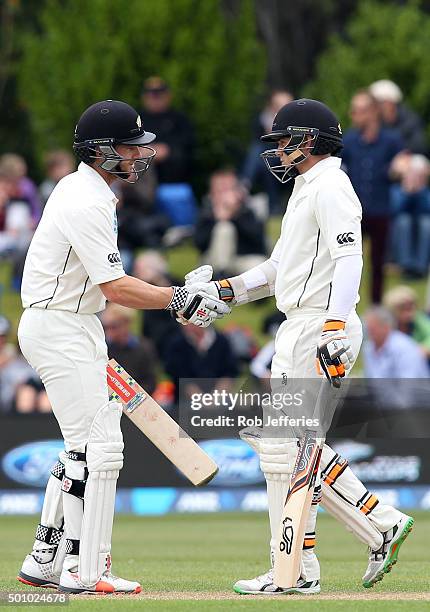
(392, 556)
(73, 591)
(36, 582)
(292, 591)
(238, 590)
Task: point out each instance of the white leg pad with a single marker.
(351, 518)
(73, 506)
(49, 532)
(52, 511)
(276, 461)
(104, 461)
(310, 568)
(345, 497)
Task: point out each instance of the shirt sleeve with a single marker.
(345, 286)
(92, 236)
(338, 214)
(275, 257)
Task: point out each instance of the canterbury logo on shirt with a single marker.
(114, 258)
(346, 238)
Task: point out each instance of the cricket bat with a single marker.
(159, 427)
(288, 553)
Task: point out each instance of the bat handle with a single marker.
(336, 381)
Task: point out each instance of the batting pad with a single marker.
(52, 511)
(96, 534)
(104, 461)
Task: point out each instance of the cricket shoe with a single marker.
(264, 585)
(108, 583)
(38, 574)
(382, 560)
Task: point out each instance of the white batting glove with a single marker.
(334, 354)
(196, 306)
(203, 274)
(199, 280)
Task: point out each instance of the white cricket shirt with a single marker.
(321, 224)
(74, 248)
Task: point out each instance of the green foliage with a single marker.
(382, 40)
(85, 51)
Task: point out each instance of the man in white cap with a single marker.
(398, 116)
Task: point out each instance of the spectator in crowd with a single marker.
(14, 369)
(410, 202)
(58, 164)
(369, 150)
(228, 233)
(202, 353)
(402, 302)
(253, 170)
(175, 150)
(24, 189)
(140, 224)
(157, 325)
(31, 397)
(392, 355)
(16, 223)
(388, 352)
(136, 355)
(398, 116)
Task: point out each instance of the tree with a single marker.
(382, 41)
(84, 51)
(295, 33)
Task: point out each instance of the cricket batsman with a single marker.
(314, 272)
(72, 267)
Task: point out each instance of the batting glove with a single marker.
(192, 305)
(199, 280)
(334, 354)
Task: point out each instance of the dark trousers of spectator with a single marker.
(377, 228)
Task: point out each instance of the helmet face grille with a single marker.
(108, 159)
(300, 146)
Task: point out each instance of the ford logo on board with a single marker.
(238, 464)
(31, 464)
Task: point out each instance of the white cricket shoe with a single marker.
(108, 583)
(263, 585)
(382, 560)
(38, 574)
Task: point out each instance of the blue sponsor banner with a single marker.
(30, 464)
(163, 500)
(239, 464)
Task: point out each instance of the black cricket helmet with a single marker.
(102, 127)
(312, 129)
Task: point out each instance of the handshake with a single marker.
(201, 300)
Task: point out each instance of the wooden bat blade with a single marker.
(295, 513)
(159, 427)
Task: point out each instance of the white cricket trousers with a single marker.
(68, 351)
(297, 339)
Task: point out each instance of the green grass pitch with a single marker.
(189, 562)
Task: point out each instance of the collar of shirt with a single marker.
(98, 181)
(320, 167)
